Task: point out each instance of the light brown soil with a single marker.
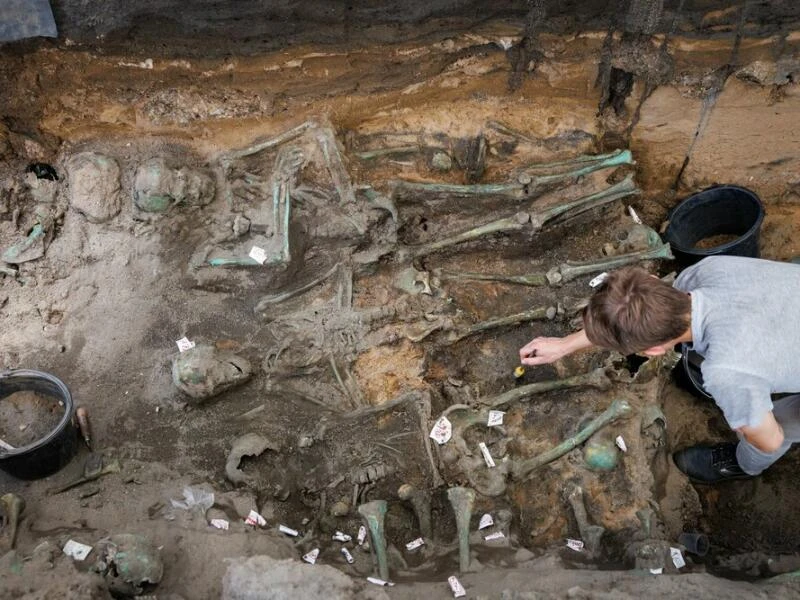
(26, 417)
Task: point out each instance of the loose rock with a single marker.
(94, 186)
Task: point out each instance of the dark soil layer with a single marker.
(26, 417)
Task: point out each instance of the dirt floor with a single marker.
(317, 376)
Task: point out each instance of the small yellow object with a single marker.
(519, 372)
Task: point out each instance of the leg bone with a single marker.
(373, 514)
(462, 500)
(618, 409)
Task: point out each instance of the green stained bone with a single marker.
(373, 514)
(536, 314)
(518, 190)
(462, 500)
(618, 409)
(596, 378)
(535, 220)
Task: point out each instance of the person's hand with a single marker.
(543, 351)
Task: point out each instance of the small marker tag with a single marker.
(342, 537)
(258, 254)
(455, 585)
(288, 530)
(220, 524)
(677, 558)
(486, 521)
(76, 550)
(377, 581)
(657, 571)
(414, 544)
(362, 535)
(442, 431)
(634, 216)
(255, 519)
(495, 418)
(497, 535)
(599, 280)
(312, 556)
(576, 545)
(621, 443)
(184, 344)
(347, 556)
(486, 456)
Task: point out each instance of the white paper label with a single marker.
(442, 431)
(486, 521)
(414, 544)
(342, 537)
(634, 216)
(486, 456)
(677, 558)
(377, 581)
(598, 280)
(288, 530)
(576, 545)
(497, 535)
(657, 571)
(495, 418)
(362, 535)
(455, 585)
(76, 550)
(311, 557)
(347, 556)
(184, 344)
(255, 519)
(621, 444)
(220, 524)
(258, 254)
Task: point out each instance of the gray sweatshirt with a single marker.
(746, 323)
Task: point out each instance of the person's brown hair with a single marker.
(634, 311)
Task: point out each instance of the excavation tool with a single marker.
(373, 514)
(94, 468)
(528, 184)
(84, 425)
(619, 409)
(524, 221)
(462, 500)
(590, 534)
(11, 507)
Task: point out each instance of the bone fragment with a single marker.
(571, 270)
(528, 186)
(421, 503)
(373, 514)
(533, 221)
(286, 295)
(462, 500)
(618, 409)
(590, 534)
(536, 314)
(12, 508)
(596, 378)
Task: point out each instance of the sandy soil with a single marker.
(341, 390)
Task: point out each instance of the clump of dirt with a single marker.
(28, 416)
(714, 241)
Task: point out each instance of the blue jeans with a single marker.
(787, 412)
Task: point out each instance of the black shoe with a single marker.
(710, 464)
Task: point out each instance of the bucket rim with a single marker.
(727, 245)
(66, 396)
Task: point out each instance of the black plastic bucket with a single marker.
(721, 210)
(688, 374)
(54, 450)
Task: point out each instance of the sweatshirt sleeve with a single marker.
(745, 400)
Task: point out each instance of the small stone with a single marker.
(441, 161)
